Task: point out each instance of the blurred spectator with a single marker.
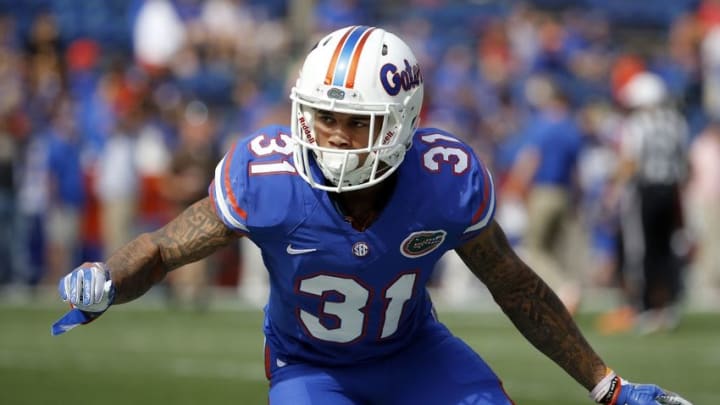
(152, 159)
(711, 72)
(90, 93)
(11, 85)
(553, 57)
(32, 203)
(117, 182)
(191, 170)
(652, 171)
(522, 29)
(454, 105)
(504, 126)
(626, 66)
(544, 175)
(680, 65)
(708, 13)
(681, 68)
(703, 198)
(67, 192)
(596, 170)
(158, 34)
(44, 36)
(8, 152)
(234, 54)
(10, 149)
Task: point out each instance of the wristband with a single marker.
(607, 390)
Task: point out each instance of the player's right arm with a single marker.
(198, 231)
(195, 233)
(134, 268)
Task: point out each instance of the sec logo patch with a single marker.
(421, 243)
(360, 249)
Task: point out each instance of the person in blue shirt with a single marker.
(544, 178)
(351, 206)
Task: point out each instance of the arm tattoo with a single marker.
(194, 234)
(531, 305)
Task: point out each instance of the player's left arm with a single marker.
(541, 317)
(531, 305)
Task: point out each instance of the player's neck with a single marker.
(362, 207)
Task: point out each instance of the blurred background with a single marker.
(114, 113)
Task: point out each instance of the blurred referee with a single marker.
(653, 167)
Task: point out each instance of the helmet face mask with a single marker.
(361, 71)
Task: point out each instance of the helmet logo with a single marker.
(421, 243)
(393, 79)
(388, 136)
(305, 128)
(336, 93)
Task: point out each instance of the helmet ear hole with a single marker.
(384, 50)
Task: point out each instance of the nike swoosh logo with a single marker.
(292, 251)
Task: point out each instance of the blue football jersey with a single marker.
(337, 295)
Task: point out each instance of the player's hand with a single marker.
(89, 290)
(647, 394)
(613, 390)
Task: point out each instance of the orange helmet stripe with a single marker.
(344, 63)
(350, 82)
(336, 56)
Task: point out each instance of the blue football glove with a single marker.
(89, 290)
(647, 394)
(613, 390)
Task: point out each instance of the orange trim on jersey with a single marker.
(211, 194)
(350, 82)
(336, 55)
(212, 199)
(486, 199)
(228, 187)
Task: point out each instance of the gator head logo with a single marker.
(336, 93)
(421, 243)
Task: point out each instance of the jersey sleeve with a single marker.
(463, 193)
(227, 189)
(480, 199)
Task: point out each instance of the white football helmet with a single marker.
(357, 70)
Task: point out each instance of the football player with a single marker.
(352, 206)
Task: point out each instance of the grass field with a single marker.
(155, 356)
